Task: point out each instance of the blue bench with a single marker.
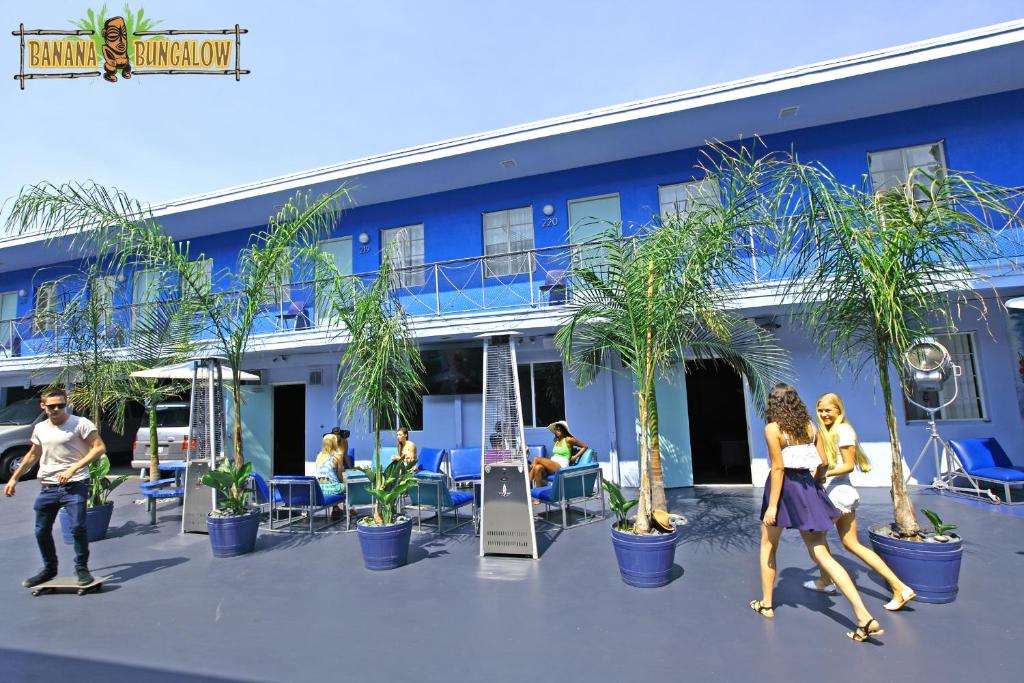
(985, 460)
(153, 491)
(573, 485)
(302, 493)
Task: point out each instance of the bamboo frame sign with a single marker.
(125, 47)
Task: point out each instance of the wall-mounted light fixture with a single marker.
(22, 293)
(364, 238)
(548, 209)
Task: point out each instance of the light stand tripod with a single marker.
(935, 443)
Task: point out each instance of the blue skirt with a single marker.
(803, 504)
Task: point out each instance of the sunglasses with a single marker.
(55, 406)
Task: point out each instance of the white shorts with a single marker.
(561, 460)
(842, 494)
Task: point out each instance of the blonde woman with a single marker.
(330, 466)
(843, 453)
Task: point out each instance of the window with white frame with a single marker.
(46, 306)
(204, 271)
(891, 167)
(8, 316)
(541, 393)
(679, 198)
(508, 239)
(969, 404)
(405, 246)
(278, 287)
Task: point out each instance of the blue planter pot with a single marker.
(385, 547)
(231, 536)
(931, 569)
(97, 521)
(645, 561)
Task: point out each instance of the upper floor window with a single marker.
(891, 167)
(277, 290)
(203, 282)
(508, 239)
(46, 306)
(968, 404)
(679, 199)
(405, 246)
(103, 297)
(8, 315)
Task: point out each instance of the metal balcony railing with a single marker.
(530, 280)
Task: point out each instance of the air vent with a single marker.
(316, 377)
(788, 112)
(508, 163)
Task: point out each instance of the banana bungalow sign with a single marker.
(125, 46)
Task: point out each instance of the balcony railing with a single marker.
(536, 279)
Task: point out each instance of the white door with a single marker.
(590, 218)
(340, 251)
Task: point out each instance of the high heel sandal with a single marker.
(864, 633)
(762, 609)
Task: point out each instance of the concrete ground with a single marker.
(303, 608)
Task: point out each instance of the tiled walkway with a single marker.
(303, 608)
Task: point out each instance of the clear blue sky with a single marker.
(333, 81)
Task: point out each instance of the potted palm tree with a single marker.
(651, 302)
(99, 507)
(885, 269)
(380, 372)
(234, 525)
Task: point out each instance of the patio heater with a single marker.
(205, 445)
(506, 511)
(928, 368)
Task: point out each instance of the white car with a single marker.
(172, 434)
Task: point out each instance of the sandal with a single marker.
(762, 609)
(898, 601)
(864, 632)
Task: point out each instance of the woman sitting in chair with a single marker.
(565, 452)
(330, 466)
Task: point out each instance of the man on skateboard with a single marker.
(64, 445)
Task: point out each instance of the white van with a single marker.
(16, 423)
(171, 431)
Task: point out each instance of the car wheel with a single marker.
(10, 462)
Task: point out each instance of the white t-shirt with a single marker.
(845, 436)
(62, 447)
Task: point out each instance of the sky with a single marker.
(335, 81)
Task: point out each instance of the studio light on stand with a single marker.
(928, 367)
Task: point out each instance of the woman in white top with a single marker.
(793, 499)
(843, 452)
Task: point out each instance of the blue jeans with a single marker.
(72, 496)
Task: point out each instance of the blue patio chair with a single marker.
(464, 464)
(985, 460)
(386, 453)
(432, 493)
(261, 492)
(430, 460)
(579, 483)
(302, 493)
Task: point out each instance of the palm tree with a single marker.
(91, 219)
(872, 272)
(381, 372)
(664, 296)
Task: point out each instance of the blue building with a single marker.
(485, 225)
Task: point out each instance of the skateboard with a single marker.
(69, 582)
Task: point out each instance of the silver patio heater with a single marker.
(205, 441)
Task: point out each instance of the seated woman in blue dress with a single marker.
(330, 466)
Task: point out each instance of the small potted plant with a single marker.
(233, 526)
(645, 560)
(384, 537)
(98, 508)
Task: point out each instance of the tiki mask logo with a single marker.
(129, 43)
(115, 49)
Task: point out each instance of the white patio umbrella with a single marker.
(184, 371)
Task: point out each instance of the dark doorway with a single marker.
(290, 429)
(718, 424)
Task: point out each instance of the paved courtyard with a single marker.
(302, 608)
